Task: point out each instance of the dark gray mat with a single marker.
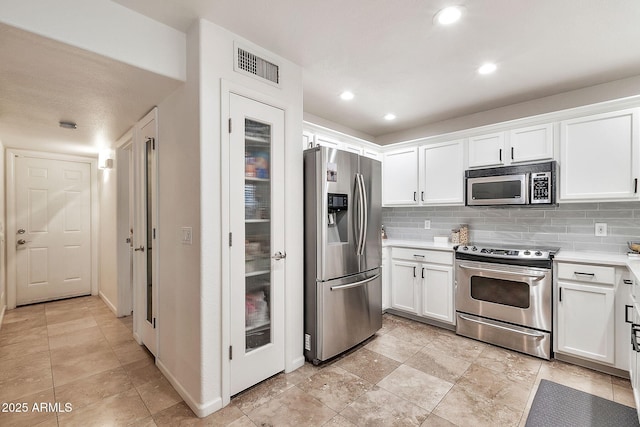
(556, 405)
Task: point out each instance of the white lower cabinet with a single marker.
(422, 283)
(586, 321)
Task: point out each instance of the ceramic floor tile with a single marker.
(368, 365)
(35, 334)
(431, 360)
(293, 407)
(339, 421)
(62, 316)
(89, 390)
(23, 323)
(22, 412)
(130, 352)
(495, 387)
(22, 348)
(463, 407)
(577, 377)
(119, 410)
(80, 340)
(145, 422)
(261, 393)
(335, 387)
(71, 326)
(515, 366)
(393, 348)
(457, 346)
(389, 322)
(381, 408)
(24, 376)
(435, 421)
(623, 395)
(415, 333)
(416, 387)
(301, 374)
(143, 371)
(71, 367)
(158, 395)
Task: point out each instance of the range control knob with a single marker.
(474, 248)
(538, 253)
(527, 253)
(465, 248)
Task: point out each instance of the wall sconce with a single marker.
(105, 159)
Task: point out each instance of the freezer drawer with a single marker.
(349, 311)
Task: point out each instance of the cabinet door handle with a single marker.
(577, 273)
(635, 186)
(415, 194)
(422, 196)
(628, 281)
(560, 296)
(423, 272)
(414, 271)
(500, 154)
(634, 338)
(511, 153)
(626, 314)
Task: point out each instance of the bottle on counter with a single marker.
(455, 236)
(464, 234)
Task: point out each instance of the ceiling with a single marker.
(388, 52)
(43, 81)
(394, 58)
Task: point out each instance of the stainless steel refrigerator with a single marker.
(343, 251)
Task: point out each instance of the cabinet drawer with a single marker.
(421, 255)
(586, 273)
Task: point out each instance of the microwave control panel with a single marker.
(541, 187)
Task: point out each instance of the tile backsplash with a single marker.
(570, 226)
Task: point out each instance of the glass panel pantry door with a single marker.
(257, 227)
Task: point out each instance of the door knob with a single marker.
(21, 231)
(141, 248)
(21, 242)
(279, 255)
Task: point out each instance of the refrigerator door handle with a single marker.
(360, 216)
(366, 214)
(355, 284)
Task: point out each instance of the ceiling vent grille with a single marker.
(256, 66)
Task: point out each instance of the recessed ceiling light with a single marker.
(487, 68)
(448, 15)
(346, 95)
(67, 124)
(390, 116)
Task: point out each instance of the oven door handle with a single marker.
(535, 277)
(529, 334)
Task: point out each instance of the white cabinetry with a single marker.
(585, 310)
(422, 283)
(528, 144)
(486, 150)
(314, 135)
(634, 356)
(386, 277)
(441, 170)
(599, 157)
(400, 177)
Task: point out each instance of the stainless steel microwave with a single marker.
(532, 185)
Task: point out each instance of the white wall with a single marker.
(107, 238)
(179, 284)
(103, 27)
(3, 244)
(591, 95)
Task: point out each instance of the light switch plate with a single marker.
(427, 224)
(601, 229)
(187, 235)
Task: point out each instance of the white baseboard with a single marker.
(2, 311)
(109, 303)
(200, 409)
(295, 364)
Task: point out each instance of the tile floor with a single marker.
(76, 351)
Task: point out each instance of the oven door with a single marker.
(513, 294)
(498, 190)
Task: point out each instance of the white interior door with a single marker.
(124, 168)
(257, 249)
(146, 233)
(53, 223)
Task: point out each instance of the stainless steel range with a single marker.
(503, 296)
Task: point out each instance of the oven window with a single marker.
(505, 292)
(497, 190)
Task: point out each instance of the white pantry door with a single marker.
(53, 223)
(257, 254)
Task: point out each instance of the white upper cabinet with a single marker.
(327, 142)
(599, 157)
(400, 177)
(441, 169)
(532, 143)
(487, 150)
(352, 148)
(314, 135)
(528, 144)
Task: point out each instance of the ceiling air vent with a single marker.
(254, 65)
